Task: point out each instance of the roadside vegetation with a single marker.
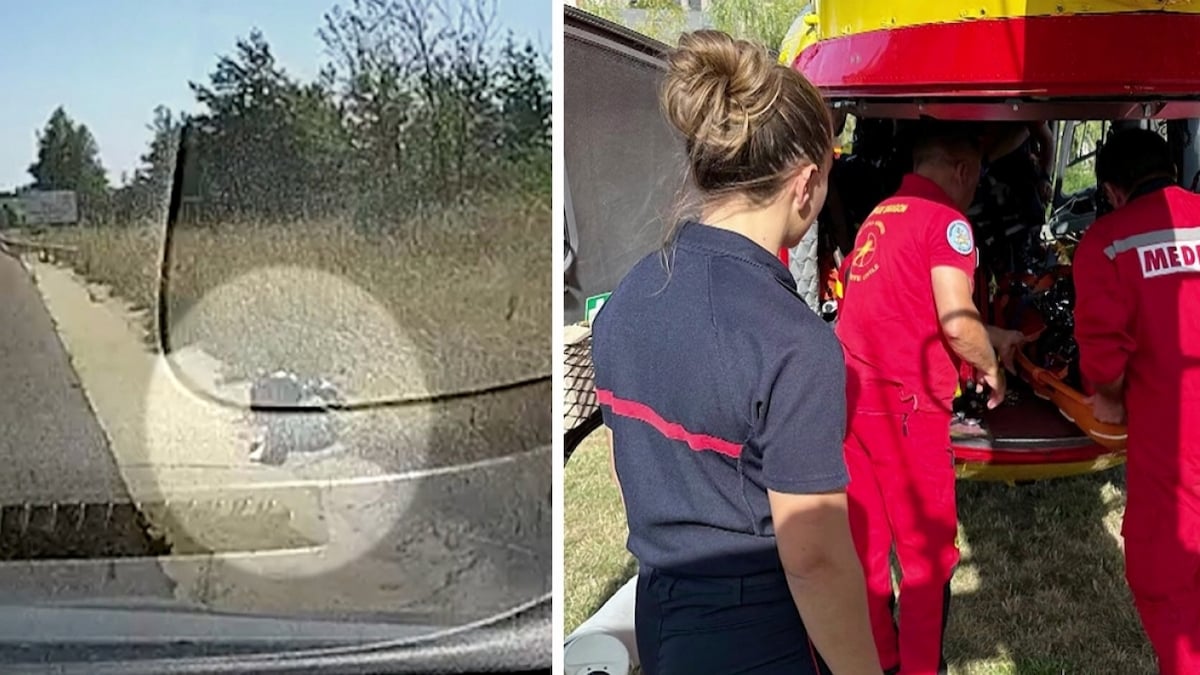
(416, 165)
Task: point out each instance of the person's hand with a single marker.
(1006, 343)
(1107, 409)
(995, 381)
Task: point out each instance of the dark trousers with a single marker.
(721, 625)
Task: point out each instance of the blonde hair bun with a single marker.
(749, 122)
(716, 86)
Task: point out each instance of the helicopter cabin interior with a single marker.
(1026, 231)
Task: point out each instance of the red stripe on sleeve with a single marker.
(644, 413)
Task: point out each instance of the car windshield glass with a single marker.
(273, 307)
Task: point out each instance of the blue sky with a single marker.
(110, 62)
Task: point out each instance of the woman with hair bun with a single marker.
(725, 396)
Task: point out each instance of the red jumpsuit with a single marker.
(901, 379)
(1137, 278)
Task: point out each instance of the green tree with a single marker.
(69, 159)
(662, 20)
(439, 107)
(421, 106)
(525, 105)
(146, 193)
(605, 9)
(763, 21)
(524, 100)
(265, 145)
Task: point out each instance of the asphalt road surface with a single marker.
(59, 476)
(470, 542)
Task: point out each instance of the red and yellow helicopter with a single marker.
(1064, 62)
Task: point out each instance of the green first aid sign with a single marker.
(593, 305)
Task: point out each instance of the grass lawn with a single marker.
(1040, 589)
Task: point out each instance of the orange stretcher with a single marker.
(1071, 403)
(1053, 434)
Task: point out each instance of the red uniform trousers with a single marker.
(1170, 616)
(901, 493)
(1137, 315)
(1162, 565)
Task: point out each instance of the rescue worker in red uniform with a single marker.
(1137, 322)
(907, 324)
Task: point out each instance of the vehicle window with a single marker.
(275, 296)
(845, 142)
(1086, 138)
(1080, 171)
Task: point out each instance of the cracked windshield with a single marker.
(273, 283)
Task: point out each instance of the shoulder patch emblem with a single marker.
(958, 234)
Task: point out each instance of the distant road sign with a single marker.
(48, 207)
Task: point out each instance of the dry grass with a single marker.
(1039, 590)
(470, 287)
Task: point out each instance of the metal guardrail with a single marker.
(45, 251)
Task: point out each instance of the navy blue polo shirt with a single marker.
(718, 383)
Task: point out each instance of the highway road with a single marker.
(52, 447)
(59, 476)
